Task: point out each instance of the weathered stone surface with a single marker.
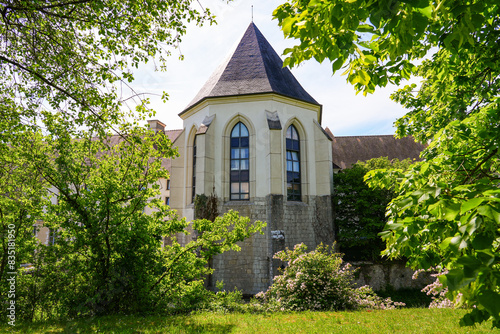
(288, 223)
(392, 275)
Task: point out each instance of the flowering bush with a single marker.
(367, 298)
(437, 291)
(318, 280)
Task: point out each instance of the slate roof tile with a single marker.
(348, 150)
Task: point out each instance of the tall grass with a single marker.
(411, 320)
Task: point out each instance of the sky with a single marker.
(204, 48)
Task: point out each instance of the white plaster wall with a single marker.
(252, 110)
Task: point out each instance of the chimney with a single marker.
(156, 125)
(329, 133)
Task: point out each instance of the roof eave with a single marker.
(252, 94)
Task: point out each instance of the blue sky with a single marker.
(344, 112)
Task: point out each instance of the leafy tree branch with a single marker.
(446, 212)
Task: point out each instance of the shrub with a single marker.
(438, 292)
(318, 280)
(224, 301)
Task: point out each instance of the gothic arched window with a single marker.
(293, 164)
(239, 182)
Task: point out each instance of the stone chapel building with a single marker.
(253, 136)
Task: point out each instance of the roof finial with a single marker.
(252, 13)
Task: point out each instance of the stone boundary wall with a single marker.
(391, 275)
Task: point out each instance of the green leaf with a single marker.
(471, 204)
(427, 11)
(365, 28)
(403, 204)
(490, 212)
(457, 243)
(482, 241)
(417, 3)
(451, 210)
(475, 316)
(424, 167)
(364, 78)
(337, 64)
(485, 256)
(469, 261)
(455, 279)
(445, 243)
(385, 234)
(394, 226)
(370, 59)
(490, 301)
(314, 3)
(286, 26)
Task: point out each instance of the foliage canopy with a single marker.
(74, 58)
(447, 213)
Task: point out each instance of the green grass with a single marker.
(416, 320)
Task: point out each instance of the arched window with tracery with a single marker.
(239, 183)
(293, 164)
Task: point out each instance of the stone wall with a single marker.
(288, 223)
(248, 269)
(391, 275)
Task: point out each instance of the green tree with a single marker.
(63, 68)
(447, 213)
(359, 211)
(21, 200)
(109, 254)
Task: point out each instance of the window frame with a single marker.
(239, 163)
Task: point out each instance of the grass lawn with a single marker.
(410, 320)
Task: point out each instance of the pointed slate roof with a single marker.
(253, 68)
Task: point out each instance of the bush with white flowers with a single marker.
(318, 280)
